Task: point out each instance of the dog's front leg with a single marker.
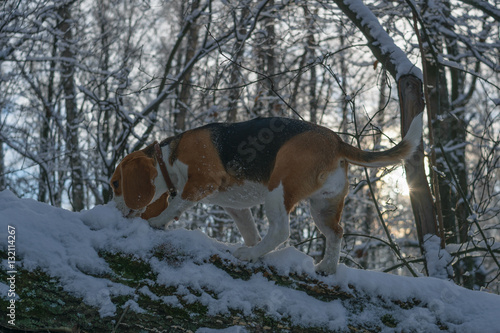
(279, 228)
(174, 210)
(246, 225)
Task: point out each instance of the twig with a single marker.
(121, 318)
(125, 311)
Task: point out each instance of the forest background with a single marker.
(85, 82)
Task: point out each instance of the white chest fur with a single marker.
(177, 172)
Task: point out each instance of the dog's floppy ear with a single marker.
(155, 209)
(138, 175)
(116, 180)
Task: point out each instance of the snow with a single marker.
(66, 246)
(438, 260)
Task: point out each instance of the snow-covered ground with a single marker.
(66, 245)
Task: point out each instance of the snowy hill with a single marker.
(97, 270)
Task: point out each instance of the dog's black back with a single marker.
(248, 149)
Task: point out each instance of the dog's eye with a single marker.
(115, 184)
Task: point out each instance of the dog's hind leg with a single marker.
(326, 213)
(246, 225)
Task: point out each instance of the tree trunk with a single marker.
(439, 107)
(235, 77)
(105, 110)
(343, 74)
(448, 129)
(184, 96)
(457, 136)
(313, 80)
(72, 114)
(272, 64)
(465, 270)
(44, 184)
(410, 99)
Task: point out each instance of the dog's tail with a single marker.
(395, 155)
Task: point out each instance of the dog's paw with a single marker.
(157, 223)
(246, 254)
(326, 268)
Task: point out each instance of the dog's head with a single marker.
(133, 184)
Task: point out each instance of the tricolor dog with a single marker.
(275, 161)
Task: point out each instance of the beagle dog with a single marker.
(275, 161)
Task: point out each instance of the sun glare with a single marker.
(397, 181)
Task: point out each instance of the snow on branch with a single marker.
(486, 7)
(380, 43)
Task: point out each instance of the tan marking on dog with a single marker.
(154, 209)
(303, 165)
(206, 174)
